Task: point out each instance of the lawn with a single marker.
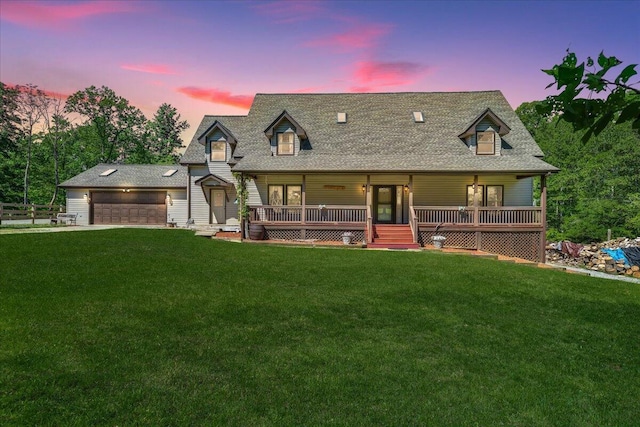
(158, 327)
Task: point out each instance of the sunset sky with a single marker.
(211, 57)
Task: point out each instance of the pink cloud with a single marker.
(49, 93)
(217, 96)
(359, 37)
(371, 75)
(148, 68)
(287, 11)
(50, 15)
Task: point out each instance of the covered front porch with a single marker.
(391, 200)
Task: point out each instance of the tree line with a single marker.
(45, 139)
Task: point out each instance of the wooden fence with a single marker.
(30, 212)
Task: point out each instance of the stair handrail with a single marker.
(413, 223)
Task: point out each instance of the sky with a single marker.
(212, 57)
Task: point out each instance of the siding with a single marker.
(199, 204)
(177, 209)
(76, 203)
(450, 190)
(319, 194)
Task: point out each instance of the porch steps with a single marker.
(393, 236)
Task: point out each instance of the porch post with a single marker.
(543, 217)
(476, 217)
(304, 199)
(410, 191)
(367, 197)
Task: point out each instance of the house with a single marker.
(391, 169)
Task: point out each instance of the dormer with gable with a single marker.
(484, 135)
(285, 135)
(219, 143)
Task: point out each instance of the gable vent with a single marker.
(418, 117)
(170, 172)
(342, 117)
(108, 172)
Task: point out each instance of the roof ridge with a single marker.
(377, 93)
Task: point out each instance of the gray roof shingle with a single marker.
(380, 134)
(129, 176)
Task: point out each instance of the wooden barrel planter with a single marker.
(256, 232)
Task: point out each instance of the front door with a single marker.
(384, 204)
(218, 206)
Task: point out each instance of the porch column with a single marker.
(304, 199)
(367, 198)
(476, 217)
(410, 191)
(543, 217)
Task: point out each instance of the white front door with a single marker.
(218, 206)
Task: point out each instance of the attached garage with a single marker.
(133, 207)
(129, 195)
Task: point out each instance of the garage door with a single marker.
(136, 207)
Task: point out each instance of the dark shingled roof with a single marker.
(129, 176)
(380, 134)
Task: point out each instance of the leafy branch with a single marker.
(622, 104)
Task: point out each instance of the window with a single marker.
(276, 195)
(470, 195)
(493, 196)
(294, 195)
(285, 144)
(486, 142)
(218, 151)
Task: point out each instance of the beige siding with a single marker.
(335, 189)
(177, 208)
(76, 203)
(450, 190)
(389, 179)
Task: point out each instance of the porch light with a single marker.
(406, 188)
(169, 199)
(364, 187)
(87, 198)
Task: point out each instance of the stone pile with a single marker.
(592, 257)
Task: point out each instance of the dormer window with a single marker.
(219, 150)
(285, 143)
(486, 142)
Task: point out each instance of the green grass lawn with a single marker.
(158, 327)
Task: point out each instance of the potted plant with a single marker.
(438, 241)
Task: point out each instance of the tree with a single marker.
(57, 130)
(9, 135)
(598, 186)
(117, 123)
(164, 132)
(32, 102)
(593, 114)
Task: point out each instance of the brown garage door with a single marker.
(135, 207)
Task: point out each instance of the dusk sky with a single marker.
(211, 57)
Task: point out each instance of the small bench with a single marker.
(65, 218)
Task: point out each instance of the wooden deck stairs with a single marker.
(393, 236)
